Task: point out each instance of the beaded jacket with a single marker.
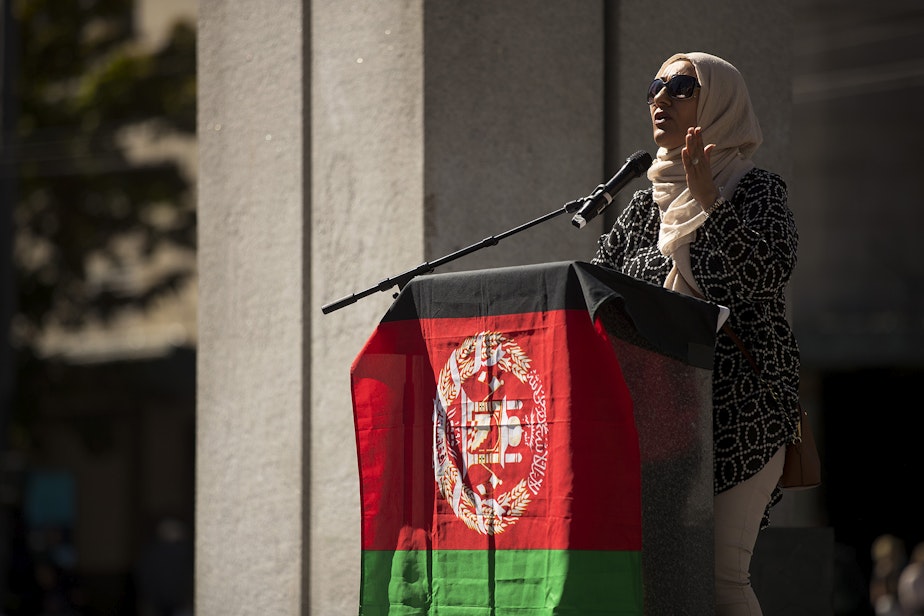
(742, 257)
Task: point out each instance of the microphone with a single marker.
(636, 165)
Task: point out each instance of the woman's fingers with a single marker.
(696, 162)
(693, 153)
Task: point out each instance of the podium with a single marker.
(536, 440)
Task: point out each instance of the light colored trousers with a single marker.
(738, 514)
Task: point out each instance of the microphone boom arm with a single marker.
(428, 266)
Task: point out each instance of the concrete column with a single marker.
(253, 331)
(367, 225)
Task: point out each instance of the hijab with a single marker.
(724, 112)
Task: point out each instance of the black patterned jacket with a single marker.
(742, 258)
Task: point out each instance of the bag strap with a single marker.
(731, 334)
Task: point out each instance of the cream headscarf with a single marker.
(723, 110)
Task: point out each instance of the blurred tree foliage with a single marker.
(84, 203)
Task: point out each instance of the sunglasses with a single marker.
(679, 87)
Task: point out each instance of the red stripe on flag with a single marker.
(496, 432)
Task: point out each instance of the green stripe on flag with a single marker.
(501, 583)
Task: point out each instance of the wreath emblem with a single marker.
(489, 432)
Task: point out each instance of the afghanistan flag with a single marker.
(498, 455)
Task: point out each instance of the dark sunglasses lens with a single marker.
(678, 86)
(654, 88)
(681, 86)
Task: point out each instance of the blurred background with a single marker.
(99, 301)
(98, 286)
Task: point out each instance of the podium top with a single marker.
(670, 323)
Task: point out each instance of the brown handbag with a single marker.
(802, 468)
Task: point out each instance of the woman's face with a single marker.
(671, 117)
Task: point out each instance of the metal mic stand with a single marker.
(428, 266)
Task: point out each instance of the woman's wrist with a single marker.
(719, 202)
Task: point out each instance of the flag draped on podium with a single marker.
(498, 455)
